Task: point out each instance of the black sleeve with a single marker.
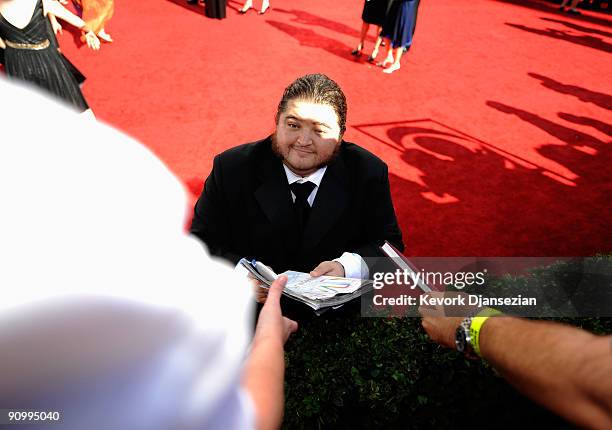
(210, 218)
(381, 222)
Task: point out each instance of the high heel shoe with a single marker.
(357, 51)
(243, 11)
(261, 12)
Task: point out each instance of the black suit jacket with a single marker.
(246, 209)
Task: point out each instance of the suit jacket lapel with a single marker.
(330, 202)
(273, 195)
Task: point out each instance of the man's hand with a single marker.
(271, 323)
(328, 268)
(440, 328)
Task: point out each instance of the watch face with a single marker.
(460, 341)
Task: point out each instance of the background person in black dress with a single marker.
(31, 56)
(215, 9)
(374, 12)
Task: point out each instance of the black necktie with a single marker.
(302, 208)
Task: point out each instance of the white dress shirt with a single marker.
(353, 264)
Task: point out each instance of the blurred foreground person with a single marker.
(566, 369)
(111, 315)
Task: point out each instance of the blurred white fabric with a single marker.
(109, 312)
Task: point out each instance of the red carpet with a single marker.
(496, 129)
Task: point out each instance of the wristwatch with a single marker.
(462, 338)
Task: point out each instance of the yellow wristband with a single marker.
(476, 325)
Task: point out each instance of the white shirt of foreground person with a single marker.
(110, 314)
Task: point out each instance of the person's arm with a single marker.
(53, 7)
(265, 368)
(2, 45)
(56, 26)
(566, 369)
(210, 216)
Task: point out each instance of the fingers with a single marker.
(430, 311)
(290, 325)
(276, 290)
(319, 270)
(325, 268)
(92, 41)
(253, 280)
(261, 294)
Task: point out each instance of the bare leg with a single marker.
(396, 60)
(265, 5)
(248, 4)
(389, 58)
(376, 45)
(364, 31)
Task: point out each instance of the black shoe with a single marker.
(356, 52)
(574, 12)
(192, 1)
(243, 11)
(371, 59)
(562, 9)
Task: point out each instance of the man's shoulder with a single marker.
(357, 157)
(245, 154)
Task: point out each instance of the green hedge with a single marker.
(352, 372)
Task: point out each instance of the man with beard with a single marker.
(302, 199)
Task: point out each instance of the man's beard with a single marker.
(276, 150)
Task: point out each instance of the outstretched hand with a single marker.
(271, 323)
(439, 327)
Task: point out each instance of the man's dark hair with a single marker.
(316, 88)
